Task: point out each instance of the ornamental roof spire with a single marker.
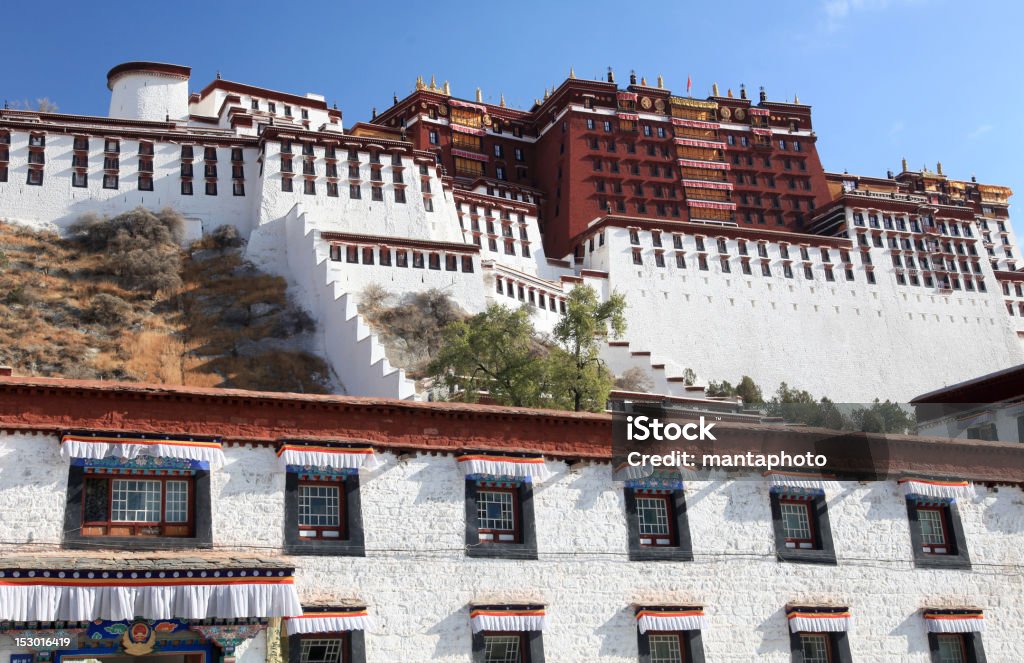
(433, 83)
(643, 81)
(572, 73)
(661, 82)
(611, 75)
(714, 89)
(447, 89)
(904, 164)
(729, 93)
(479, 96)
(502, 103)
(796, 98)
(419, 83)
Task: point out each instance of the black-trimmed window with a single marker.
(670, 647)
(110, 181)
(937, 534)
(130, 507)
(79, 178)
(341, 647)
(826, 647)
(508, 647)
(145, 182)
(956, 648)
(323, 514)
(658, 525)
(499, 519)
(802, 529)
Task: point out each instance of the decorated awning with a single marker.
(801, 481)
(818, 620)
(760, 111)
(626, 96)
(628, 116)
(86, 589)
(695, 124)
(462, 129)
(296, 454)
(332, 621)
(707, 204)
(469, 155)
(530, 468)
(694, 142)
(936, 489)
(671, 619)
(465, 104)
(704, 184)
(652, 478)
(954, 621)
(131, 445)
(508, 618)
(762, 132)
(710, 165)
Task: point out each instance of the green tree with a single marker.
(494, 352)
(748, 390)
(887, 417)
(580, 380)
(799, 406)
(720, 389)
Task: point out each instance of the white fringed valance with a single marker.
(95, 448)
(671, 620)
(508, 620)
(962, 623)
(120, 599)
(797, 481)
(936, 489)
(505, 466)
(819, 622)
(329, 622)
(339, 458)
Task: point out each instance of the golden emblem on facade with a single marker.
(487, 119)
(726, 113)
(139, 639)
(740, 113)
(659, 105)
(646, 103)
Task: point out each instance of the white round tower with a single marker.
(151, 91)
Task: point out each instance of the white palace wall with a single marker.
(417, 581)
(849, 341)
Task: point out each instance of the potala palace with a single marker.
(737, 252)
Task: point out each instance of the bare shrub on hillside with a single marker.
(108, 310)
(635, 379)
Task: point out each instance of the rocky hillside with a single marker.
(118, 299)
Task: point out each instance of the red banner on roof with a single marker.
(626, 96)
(693, 142)
(696, 124)
(704, 184)
(759, 111)
(707, 204)
(710, 165)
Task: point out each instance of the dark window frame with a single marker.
(839, 647)
(351, 546)
(531, 645)
(691, 645)
(526, 545)
(824, 551)
(681, 549)
(959, 558)
(353, 649)
(202, 520)
(974, 651)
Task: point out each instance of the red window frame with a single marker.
(943, 512)
(342, 527)
(808, 507)
(170, 530)
(522, 642)
(680, 636)
(517, 516)
(670, 512)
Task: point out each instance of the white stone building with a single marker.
(445, 532)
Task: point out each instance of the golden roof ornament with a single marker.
(904, 164)
(502, 103)
(447, 89)
(661, 82)
(479, 96)
(572, 73)
(728, 93)
(419, 83)
(433, 83)
(796, 98)
(938, 168)
(643, 81)
(714, 89)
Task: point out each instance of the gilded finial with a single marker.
(796, 98)
(611, 75)
(643, 81)
(661, 82)
(714, 89)
(904, 164)
(728, 93)
(479, 96)
(502, 103)
(419, 83)
(572, 73)
(938, 168)
(433, 83)
(447, 89)
(536, 102)
(547, 94)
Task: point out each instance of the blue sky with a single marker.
(931, 80)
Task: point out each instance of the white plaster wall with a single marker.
(418, 583)
(33, 489)
(58, 204)
(849, 341)
(148, 96)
